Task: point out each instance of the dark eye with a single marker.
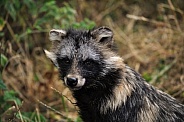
(89, 63)
(63, 61)
(66, 60)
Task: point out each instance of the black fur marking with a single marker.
(64, 65)
(90, 69)
(89, 100)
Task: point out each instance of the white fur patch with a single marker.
(149, 112)
(119, 97)
(115, 62)
(81, 81)
(56, 34)
(51, 56)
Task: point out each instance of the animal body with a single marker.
(106, 89)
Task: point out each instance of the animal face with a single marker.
(104, 87)
(84, 58)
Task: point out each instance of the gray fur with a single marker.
(106, 89)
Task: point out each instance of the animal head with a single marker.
(83, 57)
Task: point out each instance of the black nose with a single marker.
(71, 81)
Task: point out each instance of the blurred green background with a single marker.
(148, 34)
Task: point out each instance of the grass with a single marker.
(149, 38)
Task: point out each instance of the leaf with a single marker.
(32, 6)
(46, 6)
(3, 60)
(11, 10)
(2, 23)
(2, 85)
(78, 119)
(11, 96)
(28, 31)
(1, 34)
(36, 78)
(147, 76)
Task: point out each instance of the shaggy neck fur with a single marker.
(129, 99)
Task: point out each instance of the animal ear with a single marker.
(51, 56)
(103, 35)
(56, 34)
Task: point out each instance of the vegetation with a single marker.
(149, 36)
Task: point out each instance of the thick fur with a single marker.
(107, 89)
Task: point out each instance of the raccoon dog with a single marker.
(106, 89)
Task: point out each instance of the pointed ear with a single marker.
(103, 35)
(51, 56)
(56, 34)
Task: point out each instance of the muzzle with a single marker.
(74, 81)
